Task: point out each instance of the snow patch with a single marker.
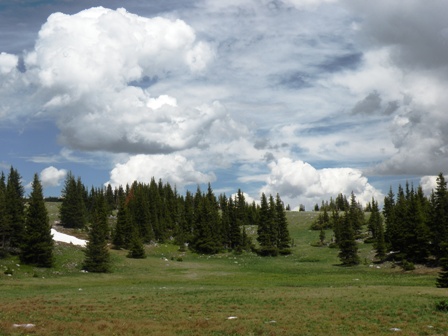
(65, 238)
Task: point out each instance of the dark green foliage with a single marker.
(283, 238)
(139, 212)
(97, 257)
(408, 224)
(14, 226)
(73, 212)
(264, 238)
(348, 249)
(235, 239)
(439, 217)
(273, 235)
(4, 232)
(322, 236)
(137, 249)
(120, 237)
(110, 199)
(356, 215)
(442, 305)
(442, 279)
(206, 236)
(375, 226)
(37, 245)
(407, 265)
(322, 222)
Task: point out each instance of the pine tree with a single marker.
(234, 229)
(73, 208)
(416, 236)
(356, 215)
(442, 279)
(15, 210)
(224, 205)
(283, 238)
(439, 220)
(110, 199)
(268, 233)
(137, 249)
(37, 246)
(264, 237)
(389, 215)
(121, 236)
(97, 257)
(375, 225)
(4, 232)
(205, 224)
(348, 250)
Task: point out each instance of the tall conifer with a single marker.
(97, 257)
(37, 245)
(4, 232)
(348, 250)
(15, 210)
(283, 238)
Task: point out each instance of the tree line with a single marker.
(131, 216)
(412, 228)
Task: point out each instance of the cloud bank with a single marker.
(252, 88)
(175, 169)
(301, 183)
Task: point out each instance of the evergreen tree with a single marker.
(121, 236)
(283, 238)
(73, 212)
(4, 232)
(264, 234)
(204, 239)
(234, 229)
(137, 249)
(37, 246)
(97, 257)
(356, 215)
(389, 215)
(15, 210)
(139, 212)
(439, 220)
(348, 250)
(322, 236)
(110, 199)
(336, 221)
(374, 220)
(416, 234)
(375, 225)
(226, 213)
(185, 229)
(442, 279)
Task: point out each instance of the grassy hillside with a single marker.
(173, 293)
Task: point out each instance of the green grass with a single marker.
(306, 293)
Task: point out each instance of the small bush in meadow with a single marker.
(408, 266)
(442, 306)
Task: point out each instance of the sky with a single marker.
(305, 98)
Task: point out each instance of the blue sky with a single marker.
(307, 98)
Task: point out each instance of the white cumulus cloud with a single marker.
(299, 182)
(8, 62)
(175, 169)
(88, 72)
(51, 176)
(428, 184)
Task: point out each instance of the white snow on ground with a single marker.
(62, 237)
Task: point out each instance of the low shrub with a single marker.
(408, 266)
(442, 306)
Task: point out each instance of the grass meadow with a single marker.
(174, 293)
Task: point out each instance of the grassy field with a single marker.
(306, 293)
